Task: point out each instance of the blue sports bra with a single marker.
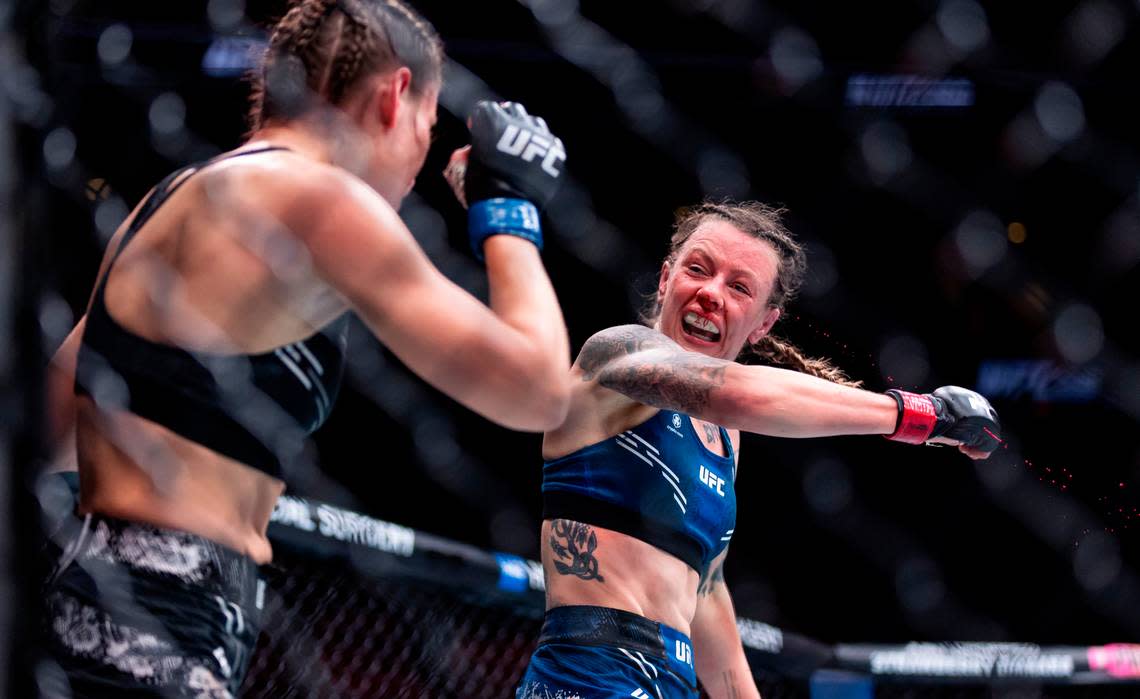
(656, 482)
(253, 408)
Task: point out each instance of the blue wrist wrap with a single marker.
(502, 216)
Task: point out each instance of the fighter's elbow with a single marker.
(746, 406)
(549, 403)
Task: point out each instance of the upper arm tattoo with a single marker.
(616, 342)
(676, 379)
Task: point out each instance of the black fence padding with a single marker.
(358, 607)
(327, 632)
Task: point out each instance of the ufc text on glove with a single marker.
(514, 169)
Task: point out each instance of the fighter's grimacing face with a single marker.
(714, 294)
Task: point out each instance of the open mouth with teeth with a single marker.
(700, 328)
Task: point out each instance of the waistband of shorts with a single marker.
(626, 631)
(157, 553)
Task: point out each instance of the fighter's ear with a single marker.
(771, 315)
(663, 281)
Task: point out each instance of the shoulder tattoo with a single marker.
(673, 378)
(616, 342)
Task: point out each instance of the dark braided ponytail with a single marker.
(777, 352)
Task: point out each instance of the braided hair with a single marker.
(762, 222)
(322, 49)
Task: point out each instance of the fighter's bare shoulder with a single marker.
(607, 345)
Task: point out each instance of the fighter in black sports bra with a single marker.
(218, 401)
(254, 409)
(183, 446)
(148, 647)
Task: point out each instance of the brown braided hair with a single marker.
(321, 49)
(762, 222)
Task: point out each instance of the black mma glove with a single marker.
(950, 412)
(513, 170)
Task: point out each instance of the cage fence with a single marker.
(356, 607)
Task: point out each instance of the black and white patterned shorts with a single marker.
(138, 611)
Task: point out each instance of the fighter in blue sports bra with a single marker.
(657, 482)
(639, 482)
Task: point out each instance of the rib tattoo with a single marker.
(710, 579)
(574, 542)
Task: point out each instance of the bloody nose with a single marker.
(708, 299)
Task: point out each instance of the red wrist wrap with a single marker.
(916, 417)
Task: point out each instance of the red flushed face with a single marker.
(714, 294)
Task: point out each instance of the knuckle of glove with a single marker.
(973, 421)
(512, 155)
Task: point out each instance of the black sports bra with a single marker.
(255, 408)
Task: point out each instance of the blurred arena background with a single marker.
(967, 178)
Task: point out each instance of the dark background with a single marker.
(918, 275)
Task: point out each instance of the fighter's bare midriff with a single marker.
(635, 577)
(171, 482)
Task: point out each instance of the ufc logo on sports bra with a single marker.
(713, 481)
(529, 145)
(684, 652)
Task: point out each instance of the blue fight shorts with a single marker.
(601, 653)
